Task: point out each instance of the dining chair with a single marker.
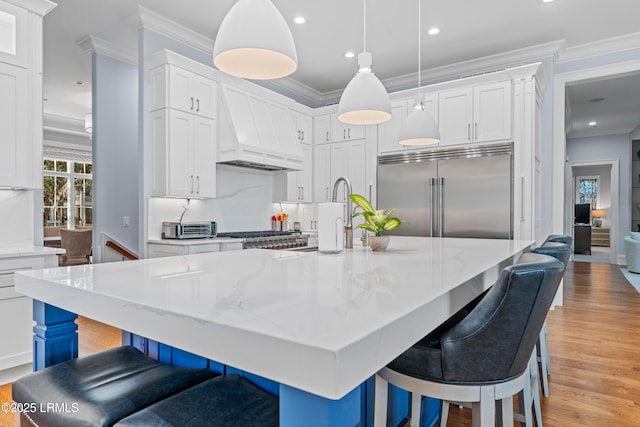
(485, 357)
(77, 244)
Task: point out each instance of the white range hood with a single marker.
(256, 132)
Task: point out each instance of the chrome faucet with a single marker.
(348, 228)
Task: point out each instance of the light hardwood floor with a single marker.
(595, 359)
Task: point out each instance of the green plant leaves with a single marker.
(376, 221)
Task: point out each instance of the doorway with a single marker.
(562, 175)
(600, 189)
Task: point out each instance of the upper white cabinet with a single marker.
(21, 92)
(322, 129)
(345, 132)
(389, 131)
(295, 186)
(183, 130)
(183, 154)
(476, 114)
(303, 125)
(184, 90)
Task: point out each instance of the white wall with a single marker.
(608, 147)
(115, 152)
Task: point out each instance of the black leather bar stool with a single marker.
(486, 357)
(101, 389)
(225, 401)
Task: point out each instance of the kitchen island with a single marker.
(317, 324)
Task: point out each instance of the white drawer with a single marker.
(7, 269)
(8, 292)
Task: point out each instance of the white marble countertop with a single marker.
(207, 241)
(28, 250)
(322, 323)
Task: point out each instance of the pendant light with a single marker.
(365, 100)
(254, 42)
(419, 128)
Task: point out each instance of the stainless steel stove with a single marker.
(269, 239)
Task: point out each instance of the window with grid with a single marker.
(67, 193)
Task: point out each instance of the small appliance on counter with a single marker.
(189, 230)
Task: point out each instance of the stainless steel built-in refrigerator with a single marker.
(463, 192)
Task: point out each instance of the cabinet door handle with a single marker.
(191, 102)
(197, 184)
(344, 134)
(191, 183)
(469, 131)
(327, 137)
(370, 188)
(302, 132)
(198, 104)
(326, 193)
(349, 133)
(475, 131)
(302, 198)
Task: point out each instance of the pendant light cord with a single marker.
(419, 50)
(364, 35)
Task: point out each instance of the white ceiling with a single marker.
(469, 30)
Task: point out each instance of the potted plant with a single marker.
(375, 221)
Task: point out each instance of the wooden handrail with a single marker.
(122, 251)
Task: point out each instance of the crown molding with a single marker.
(39, 7)
(92, 44)
(145, 18)
(64, 129)
(601, 47)
(469, 68)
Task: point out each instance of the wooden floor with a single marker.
(593, 341)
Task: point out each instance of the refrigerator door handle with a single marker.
(440, 206)
(432, 213)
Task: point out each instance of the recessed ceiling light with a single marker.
(299, 20)
(433, 31)
(596, 100)
(593, 124)
(547, 1)
(349, 54)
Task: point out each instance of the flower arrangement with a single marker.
(376, 221)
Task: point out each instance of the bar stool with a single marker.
(486, 356)
(100, 389)
(225, 401)
(562, 252)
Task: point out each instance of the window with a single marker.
(64, 203)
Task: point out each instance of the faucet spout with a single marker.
(348, 228)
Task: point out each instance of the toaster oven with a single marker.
(188, 230)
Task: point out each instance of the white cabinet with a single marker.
(16, 315)
(345, 132)
(183, 153)
(158, 250)
(322, 173)
(21, 93)
(322, 129)
(295, 186)
(16, 161)
(303, 126)
(183, 107)
(476, 114)
(348, 159)
(389, 131)
(175, 87)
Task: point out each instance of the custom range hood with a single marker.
(256, 132)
